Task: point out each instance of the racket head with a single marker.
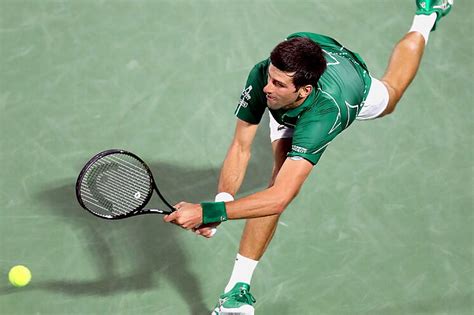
(114, 184)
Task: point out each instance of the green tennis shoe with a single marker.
(237, 301)
(440, 7)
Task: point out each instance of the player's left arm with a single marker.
(273, 200)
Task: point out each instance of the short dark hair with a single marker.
(302, 56)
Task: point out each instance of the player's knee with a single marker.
(280, 202)
(394, 95)
(389, 110)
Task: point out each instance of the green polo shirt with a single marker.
(330, 108)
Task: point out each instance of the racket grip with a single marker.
(160, 211)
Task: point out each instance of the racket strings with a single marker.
(117, 176)
(116, 185)
(114, 192)
(107, 194)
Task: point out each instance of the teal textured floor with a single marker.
(384, 225)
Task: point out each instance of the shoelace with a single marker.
(246, 296)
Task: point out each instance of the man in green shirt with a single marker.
(331, 106)
(314, 88)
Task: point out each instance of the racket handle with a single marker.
(159, 211)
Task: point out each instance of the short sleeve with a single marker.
(314, 132)
(252, 102)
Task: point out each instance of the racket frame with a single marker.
(138, 211)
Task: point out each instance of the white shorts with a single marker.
(376, 101)
(374, 105)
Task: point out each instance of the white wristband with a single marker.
(223, 196)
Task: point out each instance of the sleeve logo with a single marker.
(245, 97)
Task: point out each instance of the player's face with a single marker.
(280, 90)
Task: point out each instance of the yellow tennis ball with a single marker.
(19, 276)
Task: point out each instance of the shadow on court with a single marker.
(149, 245)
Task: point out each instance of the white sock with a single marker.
(423, 24)
(243, 271)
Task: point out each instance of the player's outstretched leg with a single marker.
(407, 54)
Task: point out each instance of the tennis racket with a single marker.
(117, 184)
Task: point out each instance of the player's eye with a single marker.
(279, 84)
(275, 82)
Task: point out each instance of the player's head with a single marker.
(296, 66)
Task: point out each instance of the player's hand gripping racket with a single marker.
(117, 184)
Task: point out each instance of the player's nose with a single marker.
(267, 89)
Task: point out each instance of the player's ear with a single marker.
(305, 90)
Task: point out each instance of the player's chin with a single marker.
(274, 104)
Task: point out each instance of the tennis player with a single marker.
(314, 88)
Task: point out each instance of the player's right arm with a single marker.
(234, 166)
(237, 158)
(249, 112)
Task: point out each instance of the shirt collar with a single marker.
(308, 102)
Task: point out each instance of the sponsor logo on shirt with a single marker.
(299, 149)
(245, 97)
